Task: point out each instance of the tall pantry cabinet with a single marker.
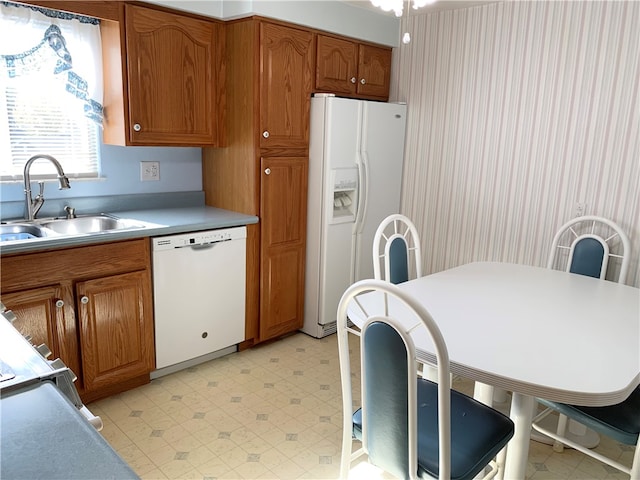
(263, 168)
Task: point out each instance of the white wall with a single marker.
(329, 15)
(517, 111)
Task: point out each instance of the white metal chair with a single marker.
(396, 246)
(585, 246)
(620, 422)
(397, 257)
(409, 426)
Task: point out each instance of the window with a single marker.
(50, 92)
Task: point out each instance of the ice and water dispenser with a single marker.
(344, 182)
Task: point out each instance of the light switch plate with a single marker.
(149, 171)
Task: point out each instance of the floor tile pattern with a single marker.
(270, 412)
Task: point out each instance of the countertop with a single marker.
(160, 222)
(43, 435)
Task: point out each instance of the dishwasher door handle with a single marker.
(199, 246)
(203, 246)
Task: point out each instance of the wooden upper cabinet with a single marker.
(286, 65)
(336, 65)
(374, 71)
(355, 69)
(173, 65)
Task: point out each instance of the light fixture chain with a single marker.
(406, 38)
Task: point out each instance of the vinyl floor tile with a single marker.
(271, 412)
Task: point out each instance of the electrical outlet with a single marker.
(149, 171)
(580, 208)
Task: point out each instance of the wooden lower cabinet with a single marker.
(113, 313)
(92, 306)
(42, 314)
(283, 210)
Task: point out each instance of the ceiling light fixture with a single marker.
(396, 6)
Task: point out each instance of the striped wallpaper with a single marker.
(517, 112)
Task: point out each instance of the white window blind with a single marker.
(38, 114)
(39, 120)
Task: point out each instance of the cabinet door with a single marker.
(172, 65)
(116, 330)
(283, 219)
(336, 65)
(39, 315)
(374, 71)
(285, 86)
(42, 314)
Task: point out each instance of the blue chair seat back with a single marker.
(588, 257)
(387, 399)
(478, 432)
(398, 261)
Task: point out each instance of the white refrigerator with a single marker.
(356, 154)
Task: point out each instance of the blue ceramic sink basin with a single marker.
(20, 231)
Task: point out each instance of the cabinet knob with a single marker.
(267, 171)
(353, 79)
(59, 303)
(84, 300)
(137, 127)
(362, 82)
(265, 134)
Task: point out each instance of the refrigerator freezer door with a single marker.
(333, 150)
(344, 195)
(342, 133)
(336, 274)
(342, 140)
(382, 152)
(356, 140)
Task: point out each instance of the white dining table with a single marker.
(533, 331)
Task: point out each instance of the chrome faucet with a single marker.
(33, 205)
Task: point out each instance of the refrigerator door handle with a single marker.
(363, 191)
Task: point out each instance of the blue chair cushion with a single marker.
(621, 422)
(478, 433)
(398, 261)
(588, 256)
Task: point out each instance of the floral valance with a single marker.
(51, 57)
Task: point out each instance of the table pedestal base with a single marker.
(518, 447)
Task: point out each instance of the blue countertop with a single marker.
(161, 221)
(43, 434)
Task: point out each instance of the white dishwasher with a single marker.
(199, 296)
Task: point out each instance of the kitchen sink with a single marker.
(20, 231)
(89, 224)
